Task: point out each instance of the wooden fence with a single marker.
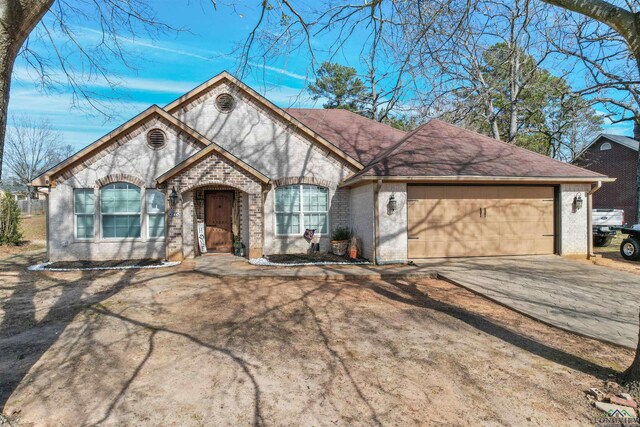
(32, 207)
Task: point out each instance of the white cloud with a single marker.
(153, 85)
(189, 51)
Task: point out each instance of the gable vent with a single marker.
(156, 139)
(225, 103)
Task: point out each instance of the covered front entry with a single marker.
(461, 221)
(218, 212)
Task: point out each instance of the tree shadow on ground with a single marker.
(408, 293)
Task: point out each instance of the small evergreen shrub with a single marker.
(341, 233)
(10, 233)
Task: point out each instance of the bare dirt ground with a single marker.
(34, 234)
(174, 347)
(610, 257)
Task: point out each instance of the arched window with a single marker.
(605, 146)
(120, 209)
(302, 206)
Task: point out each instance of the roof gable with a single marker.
(618, 139)
(49, 177)
(214, 149)
(283, 115)
(441, 150)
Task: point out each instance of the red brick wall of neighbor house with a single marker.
(620, 162)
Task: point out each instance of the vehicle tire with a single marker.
(630, 249)
(602, 241)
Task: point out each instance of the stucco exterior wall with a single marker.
(573, 224)
(361, 211)
(392, 246)
(129, 155)
(262, 140)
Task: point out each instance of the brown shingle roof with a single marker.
(361, 138)
(439, 149)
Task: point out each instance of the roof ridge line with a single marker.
(390, 150)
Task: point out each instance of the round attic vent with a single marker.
(156, 139)
(225, 103)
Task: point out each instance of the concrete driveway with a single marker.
(587, 299)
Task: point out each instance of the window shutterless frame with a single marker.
(307, 209)
(155, 210)
(120, 209)
(83, 213)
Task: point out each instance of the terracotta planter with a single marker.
(339, 247)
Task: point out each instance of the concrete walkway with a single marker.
(583, 298)
(590, 300)
(229, 265)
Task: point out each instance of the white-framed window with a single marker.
(299, 207)
(120, 209)
(83, 208)
(605, 146)
(155, 214)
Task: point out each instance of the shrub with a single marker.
(10, 233)
(341, 233)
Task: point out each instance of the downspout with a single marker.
(46, 218)
(594, 187)
(376, 222)
(263, 200)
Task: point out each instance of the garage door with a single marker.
(458, 221)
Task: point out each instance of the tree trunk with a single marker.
(632, 374)
(6, 67)
(17, 20)
(636, 135)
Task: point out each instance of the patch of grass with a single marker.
(34, 228)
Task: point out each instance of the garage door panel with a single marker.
(480, 221)
(426, 193)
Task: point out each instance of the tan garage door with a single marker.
(457, 221)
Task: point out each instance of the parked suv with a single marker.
(630, 247)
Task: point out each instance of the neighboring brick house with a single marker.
(615, 156)
(224, 160)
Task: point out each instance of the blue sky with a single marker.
(167, 67)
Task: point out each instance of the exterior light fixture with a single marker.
(173, 198)
(392, 205)
(577, 202)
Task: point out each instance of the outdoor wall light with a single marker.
(577, 202)
(173, 198)
(392, 205)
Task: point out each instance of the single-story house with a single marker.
(227, 161)
(615, 156)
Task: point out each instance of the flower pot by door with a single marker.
(339, 247)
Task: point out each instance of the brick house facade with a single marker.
(143, 190)
(616, 157)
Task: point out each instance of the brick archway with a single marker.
(211, 172)
(119, 177)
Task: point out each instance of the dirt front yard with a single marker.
(175, 347)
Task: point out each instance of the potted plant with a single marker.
(238, 247)
(340, 240)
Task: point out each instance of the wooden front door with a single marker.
(218, 209)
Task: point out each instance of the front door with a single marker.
(217, 213)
